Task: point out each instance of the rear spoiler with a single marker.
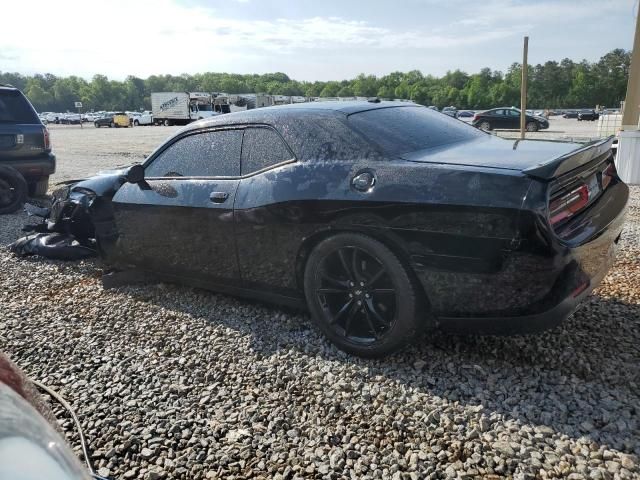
(598, 149)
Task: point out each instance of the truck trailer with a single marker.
(180, 108)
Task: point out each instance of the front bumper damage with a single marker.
(78, 224)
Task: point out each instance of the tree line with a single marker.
(564, 84)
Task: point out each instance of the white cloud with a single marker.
(145, 37)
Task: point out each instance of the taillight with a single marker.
(607, 175)
(47, 140)
(475, 117)
(568, 204)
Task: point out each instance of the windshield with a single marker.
(399, 130)
(15, 108)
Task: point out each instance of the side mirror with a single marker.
(135, 174)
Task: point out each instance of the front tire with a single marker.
(361, 296)
(13, 190)
(167, 123)
(532, 127)
(96, 124)
(136, 123)
(111, 125)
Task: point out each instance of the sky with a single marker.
(306, 39)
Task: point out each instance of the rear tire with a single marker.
(13, 190)
(532, 127)
(361, 296)
(167, 123)
(111, 125)
(486, 126)
(40, 187)
(136, 123)
(96, 124)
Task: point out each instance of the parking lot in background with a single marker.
(84, 151)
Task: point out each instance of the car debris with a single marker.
(65, 230)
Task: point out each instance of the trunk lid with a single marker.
(543, 159)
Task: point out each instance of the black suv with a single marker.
(24, 140)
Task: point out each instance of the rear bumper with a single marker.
(547, 287)
(34, 167)
(523, 324)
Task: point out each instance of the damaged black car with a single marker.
(383, 219)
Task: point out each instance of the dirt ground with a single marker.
(84, 151)
(81, 152)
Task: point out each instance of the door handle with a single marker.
(218, 197)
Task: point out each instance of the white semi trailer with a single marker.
(180, 108)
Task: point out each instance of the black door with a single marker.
(263, 220)
(498, 118)
(183, 223)
(512, 119)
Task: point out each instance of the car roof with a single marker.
(348, 107)
(275, 114)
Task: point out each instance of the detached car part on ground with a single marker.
(382, 218)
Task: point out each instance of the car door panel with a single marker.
(179, 221)
(175, 227)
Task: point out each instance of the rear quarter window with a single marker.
(262, 148)
(15, 108)
(398, 130)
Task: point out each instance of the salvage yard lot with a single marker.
(174, 382)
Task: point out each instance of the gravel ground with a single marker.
(174, 382)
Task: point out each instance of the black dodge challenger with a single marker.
(381, 218)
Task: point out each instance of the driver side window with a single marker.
(206, 154)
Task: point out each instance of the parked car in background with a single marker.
(393, 219)
(24, 141)
(507, 118)
(70, 119)
(104, 121)
(90, 117)
(451, 111)
(140, 118)
(465, 115)
(121, 119)
(590, 115)
(53, 117)
(570, 114)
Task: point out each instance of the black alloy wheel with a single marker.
(361, 296)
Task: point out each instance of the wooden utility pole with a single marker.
(631, 110)
(628, 156)
(523, 89)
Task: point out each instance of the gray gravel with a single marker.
(172, 382)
